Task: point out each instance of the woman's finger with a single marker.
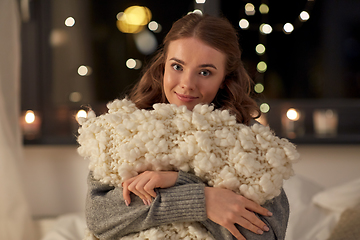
(137, 187)
(252, 206)
(235, 232)
(255, 222)
(126, 195)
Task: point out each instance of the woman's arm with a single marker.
(116, 219)
(222, 206)
(277, 223)
(108, 217)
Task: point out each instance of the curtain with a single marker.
(15, 217)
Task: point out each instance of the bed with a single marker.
(315, 214)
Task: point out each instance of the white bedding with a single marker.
(314, 211)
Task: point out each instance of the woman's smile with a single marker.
(185, 98)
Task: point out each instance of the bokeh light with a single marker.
(265, 28)
(84, 70)
(261, 67)
(260, 49)
(70, 22)
(133, 19)
(244, 24)
(81, 114)
(29, 116)
(264, 9)
(288, 28)
(249, 9)
(75, 97)
(264, 107)
(131, 63)
(304, 16)
(293, 114)
(259, 88)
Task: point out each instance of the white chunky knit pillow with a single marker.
(126, 141)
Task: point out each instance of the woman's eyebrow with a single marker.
(202, 65)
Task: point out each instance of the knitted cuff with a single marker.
(186, 178)
(180, 204)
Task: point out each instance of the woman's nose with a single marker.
(188, 81)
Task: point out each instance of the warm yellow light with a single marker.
(244, 24)
(260, 49)
(249, 9)
(304, 16)
(261, 67)
(137, 15)
(259, 88)
(81, 114)
(200, 1)
(264, 107)
(128, 28)
(265, 28)
(264, 9)
(133, 19)
(69, 22)
(29, 116)
(293, 114)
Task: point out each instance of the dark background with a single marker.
(314, 67)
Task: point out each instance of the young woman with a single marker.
(199, 62)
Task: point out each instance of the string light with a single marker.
(84, 70)
(288, 28)
(264, 107)
(304, 16)
(70, 22)
(259, 88)
(265, 28)
(264, 9)
(260, 49)
(261, 67)
(249, 9)
(244, 24)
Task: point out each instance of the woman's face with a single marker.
(193, 73)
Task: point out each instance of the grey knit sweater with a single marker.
(108, 217)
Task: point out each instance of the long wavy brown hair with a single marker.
(234, 95)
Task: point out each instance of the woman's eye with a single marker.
(205, 73)
(176, 67)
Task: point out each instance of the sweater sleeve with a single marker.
(277, 223)
(108, 217)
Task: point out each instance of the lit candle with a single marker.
(293, 124)
(30, 124)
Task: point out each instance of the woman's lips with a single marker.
(185, 98)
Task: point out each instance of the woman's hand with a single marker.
(143, 185)
(226, 208)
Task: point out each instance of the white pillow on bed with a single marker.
(339, 198)
(69, 226)
(315, 211)
(300, 191)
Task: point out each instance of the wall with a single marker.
(55, 176)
